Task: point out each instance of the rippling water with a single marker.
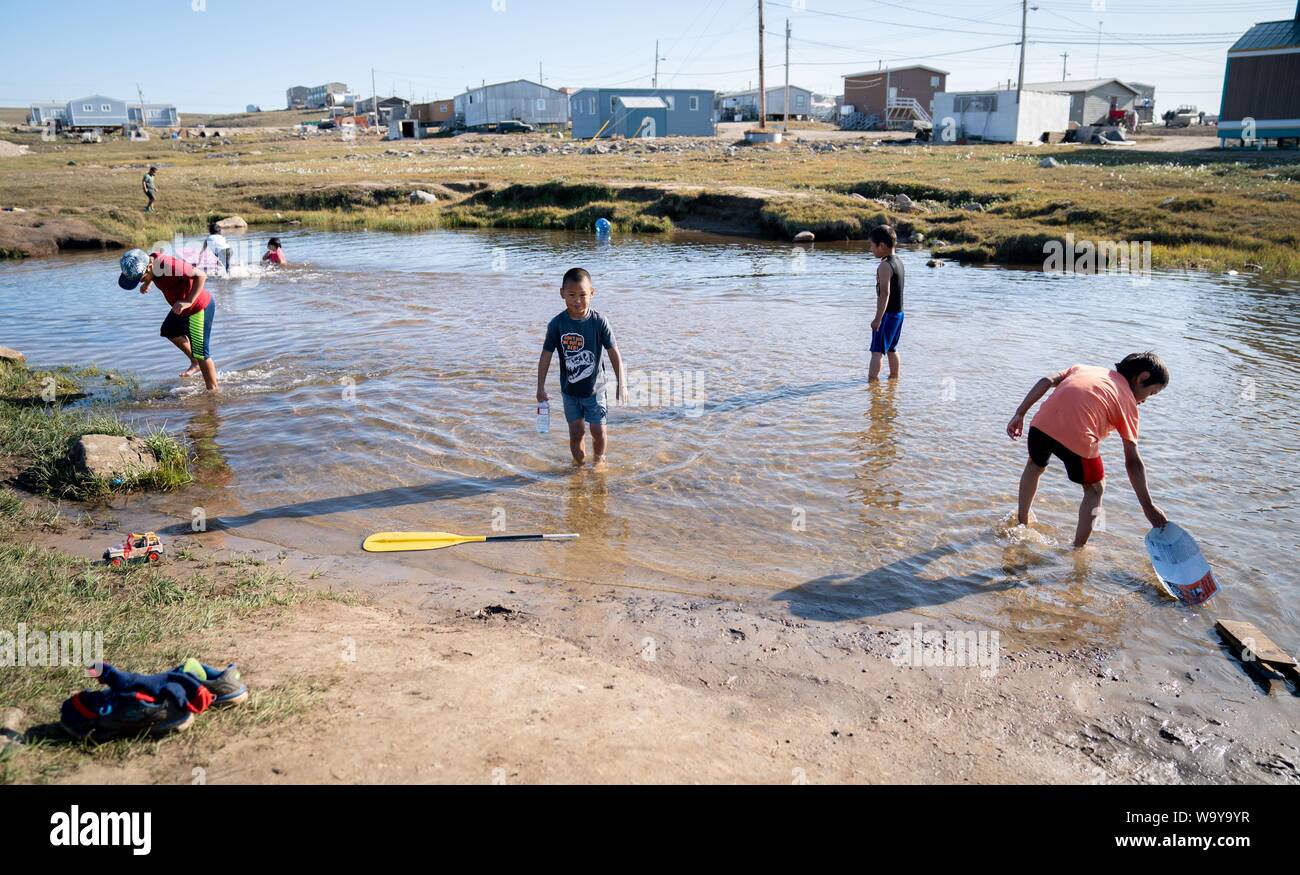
(386, 382)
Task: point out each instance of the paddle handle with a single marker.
(532, 537)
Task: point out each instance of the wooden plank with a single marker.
(1245, 636)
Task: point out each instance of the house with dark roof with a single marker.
(1260, 97)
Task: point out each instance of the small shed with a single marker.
(641, 116)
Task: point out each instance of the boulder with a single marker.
(903, 203)
(934, 262)
(973, 206)
(1049, 162)
(423, 197)
(106, 455)
(915, 237)
(805, 237)
(12, 356)
(231, 223)
(858, 197)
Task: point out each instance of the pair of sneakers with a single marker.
(152, 705)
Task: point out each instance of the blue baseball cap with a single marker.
(133, 265)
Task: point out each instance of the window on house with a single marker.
(798, 100)
(87, 107)
(104, 107)
(592, 106)
(672, 102)
(442, 107)
(695, 104)
(611, 103)
(541, 104)
(934, 81)
(976, 103)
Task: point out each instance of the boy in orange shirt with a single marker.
(1088, 404)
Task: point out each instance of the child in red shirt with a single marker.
(189, 324)
(1087, 405)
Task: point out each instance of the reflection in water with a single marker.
(877, 447)
(210, 465)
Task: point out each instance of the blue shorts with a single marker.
(592, 408)
(891, 331)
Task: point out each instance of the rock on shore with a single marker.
(106, 455)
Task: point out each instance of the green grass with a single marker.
(151, 618)
(38, 430)
(1210, 210)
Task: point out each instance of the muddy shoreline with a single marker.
(779, 699)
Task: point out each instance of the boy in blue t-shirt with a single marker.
(580, 334)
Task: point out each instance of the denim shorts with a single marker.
(592, 408)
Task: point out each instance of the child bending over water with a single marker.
(1087, 404)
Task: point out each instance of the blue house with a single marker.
(97, 111)
(156, 115)
(48, 114)
(632, 112)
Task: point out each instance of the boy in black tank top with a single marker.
(887, 326)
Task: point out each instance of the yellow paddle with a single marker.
(400, 542)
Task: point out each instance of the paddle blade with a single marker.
(402, 542)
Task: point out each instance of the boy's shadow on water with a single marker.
(896, 587)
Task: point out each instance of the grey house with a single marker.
(745, 103)
(47, 114)
(518, 100)
(631, 112)
(1091, 100)
(97, 111)
(156, 115)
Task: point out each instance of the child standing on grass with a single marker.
(887, 326)
(149, 184)
(1087, 404)
(580, 333)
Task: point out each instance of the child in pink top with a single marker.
(274, 253)
(1088, 404)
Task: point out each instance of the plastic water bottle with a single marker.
(543, 417)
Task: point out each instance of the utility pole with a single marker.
(1065, 58)
(786, 126)
(541, 80)
(140, 94)
(1024, 26)
(762, 79)
(1098, 71)
(654, 83)
(375, 92)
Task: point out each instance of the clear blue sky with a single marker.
(219, 55)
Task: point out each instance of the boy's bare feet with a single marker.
(598, 462)
(191, 371)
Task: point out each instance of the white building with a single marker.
(997, 117)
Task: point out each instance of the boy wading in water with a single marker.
(887, 326)
(1087, 404)
(580, 334)
(189, 324)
